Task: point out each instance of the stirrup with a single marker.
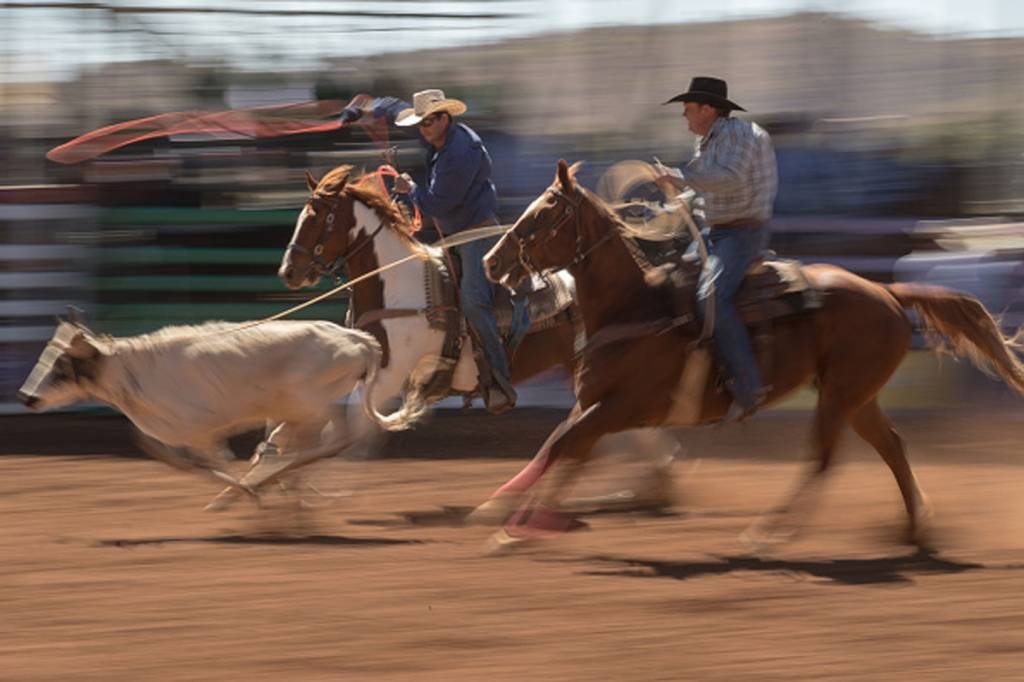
(738, 413)
(498, 401)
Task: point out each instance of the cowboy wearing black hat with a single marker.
(734, 176)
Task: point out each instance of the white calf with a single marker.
(191, 387)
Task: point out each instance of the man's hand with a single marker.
(668, 176)
(403, 184)
(350, 114)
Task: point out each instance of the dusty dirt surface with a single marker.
(110, 570)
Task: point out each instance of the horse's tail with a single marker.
(414, 404)
(958, 323)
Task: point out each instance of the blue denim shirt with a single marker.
(459, 193)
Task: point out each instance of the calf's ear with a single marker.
(82, 347)
(76, 316)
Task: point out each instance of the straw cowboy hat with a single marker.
(427, 102)
(708, 90)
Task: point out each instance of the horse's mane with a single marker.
(367, 189)
(625, 231)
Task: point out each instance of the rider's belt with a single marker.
(742, 222)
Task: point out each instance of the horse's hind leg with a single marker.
(782, 524)
(874, 427)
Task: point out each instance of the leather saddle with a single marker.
(772, 288)
(775, 288)
(549, 298)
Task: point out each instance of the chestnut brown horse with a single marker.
(849, 347)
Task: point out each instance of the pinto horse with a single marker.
(353, 223)
(849, 348)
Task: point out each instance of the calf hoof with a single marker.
(226, 498)
(223, 501)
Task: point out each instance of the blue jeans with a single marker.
(477, 294)
(730, 253)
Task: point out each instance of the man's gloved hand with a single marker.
(350, 114)
(666, 177)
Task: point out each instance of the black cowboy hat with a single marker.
(707, 90)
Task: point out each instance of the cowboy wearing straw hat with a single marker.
(733, 171)
(459, 195)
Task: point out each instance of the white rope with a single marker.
(702, 250)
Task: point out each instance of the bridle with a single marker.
(571, 211)
(316, 263)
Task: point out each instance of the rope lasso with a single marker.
(387, 170)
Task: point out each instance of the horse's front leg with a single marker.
(570, 448)
(503, 502)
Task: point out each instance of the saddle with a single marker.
(548, 300)
(775, 288)
(550, 303)
(550, 296)
(771, 289)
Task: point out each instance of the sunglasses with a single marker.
(428, 121)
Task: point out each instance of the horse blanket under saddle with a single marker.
(773, 289)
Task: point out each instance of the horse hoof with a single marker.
(493, 512)
(925, 512)
(759, 540)
(503, 542)
(541, 525)
(922, 536)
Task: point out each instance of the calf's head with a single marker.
(65, 370)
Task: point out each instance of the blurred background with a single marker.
(899, 131)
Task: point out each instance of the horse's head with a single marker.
(546, 237)
(321, 238)
(337, 228)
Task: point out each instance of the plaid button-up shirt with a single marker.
(734, 172)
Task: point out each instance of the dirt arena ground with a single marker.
(110, 570)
